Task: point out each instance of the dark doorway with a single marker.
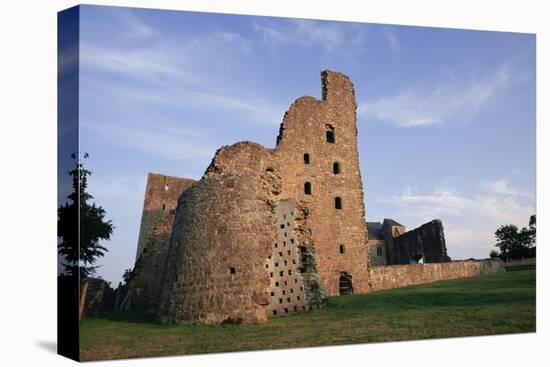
(346, 286)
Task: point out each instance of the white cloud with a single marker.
(307, 33)
(393, 41)
(173, 70)
(502, 187)
(469, 220)
(166, 143)
(444, 103)
(135, 27)
(247, 109)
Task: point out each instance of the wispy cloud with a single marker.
(502, 187)
(437, 104)
(248, 109)
(167, 143)
(304, 32)
(393, 42)
(180, 71)
(470, 220)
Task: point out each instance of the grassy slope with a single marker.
(492, 304)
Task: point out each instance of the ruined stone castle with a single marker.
(271, 232)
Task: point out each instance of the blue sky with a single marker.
(446, 117)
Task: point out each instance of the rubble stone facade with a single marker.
(159, 209)
(398, 276)
(227, 238)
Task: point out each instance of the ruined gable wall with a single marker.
(161, 197)
(398, 276)
(427, 241)
(304, 131)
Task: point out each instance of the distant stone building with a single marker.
(390, 243)
(271, 232)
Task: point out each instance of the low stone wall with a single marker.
(398, 276)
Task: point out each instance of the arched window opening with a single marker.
(307, 188)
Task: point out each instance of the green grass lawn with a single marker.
(486, 305)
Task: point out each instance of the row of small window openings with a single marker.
(284, 242)
(281, 273)
(335, 165)
(286, 310)
(284, 292)
(286, 283)
(285, 262)
(289, 299)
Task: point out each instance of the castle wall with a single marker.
(222, 253)
(398, 276)
(161, 197)
(224, 230)
(304, 131)
(159, 208)
(426, 242)
(286, 287)
(148, 271)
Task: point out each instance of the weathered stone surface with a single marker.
(161, 197)
(159, 208)
(304, 131)
(270, 232)
(425, 243)
(222, 247)
(397, 276)
(223, 233)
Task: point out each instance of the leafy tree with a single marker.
(127, 276)
(514, 243)
(493, 254)
(80, 260)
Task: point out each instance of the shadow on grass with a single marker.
(130, 317)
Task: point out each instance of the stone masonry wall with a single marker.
(223, 233)
(161, 197)
(226, 226)
(287, 287)
(304, 131)
(144, 288)
(398, 276)
(426, 242)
